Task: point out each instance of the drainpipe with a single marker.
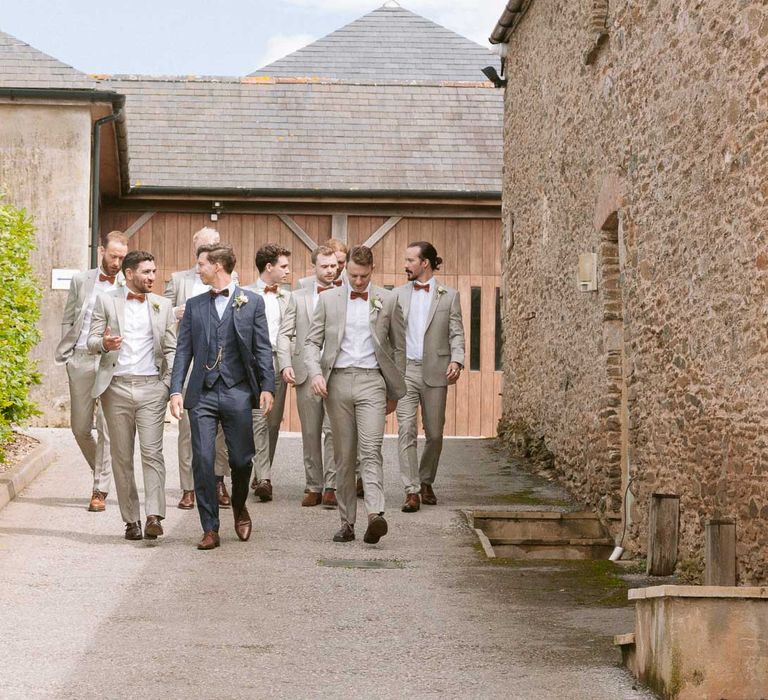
(95, 172)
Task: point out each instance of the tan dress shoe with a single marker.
(263, 490)
(97, 504)
(153, 529)
(312, 498)
(187, 501)
(377, 528)
(243, 524)
(412, 503)
(329, 499)
(221, 491)
(210, 540)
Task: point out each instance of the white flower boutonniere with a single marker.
(156, 307)
(376, 304)
(120, 282)
(240, 299)
(441, 290)
(280, 293)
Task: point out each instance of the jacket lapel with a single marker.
(154, 318)
(119, 313)
(406, 305)
(433, 305)
(308, 296)
(341, 307)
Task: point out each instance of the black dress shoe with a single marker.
(133, 531)
(345, 534)
(377, 528)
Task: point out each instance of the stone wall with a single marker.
(643, 141)
(45, 168)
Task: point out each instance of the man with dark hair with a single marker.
(355, 357)
(319, 468)
(273, 266)
(180, 287)
(72, 351)
(435, 358)
(226, 333)
(134, 330)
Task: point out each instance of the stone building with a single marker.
(636, 256)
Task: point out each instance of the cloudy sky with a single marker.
(206, 37)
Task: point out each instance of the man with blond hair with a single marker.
(182, 286)
(81, 367)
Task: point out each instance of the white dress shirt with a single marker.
(357, 348)
(137, 351)
(272, 310)
(98, 288)
(418, 312)
(220, 302)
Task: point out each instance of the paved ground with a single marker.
(86, 614)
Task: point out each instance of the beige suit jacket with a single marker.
(444, 334)
(294, 328)
(323, 342)
(110, 311)
(179, 288)
(74, 311)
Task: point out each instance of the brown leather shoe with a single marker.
(187, 501)
(221, 491)
(428, 495)
(97, 504)
(359, 486)
(153, 529)
(311, 498)
(210, 540)
(345, 534)
(377, 528)
(133, 531)
(329, 499)
(263, 490)
(412, 503)
(243, 524)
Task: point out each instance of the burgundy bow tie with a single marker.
(136, 297)
(417, 287)
(323, 289)
(358, 295)
(107, 278)
(223, 293)
(270, 289)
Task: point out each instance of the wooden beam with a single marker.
(382, 231)
(339, 227)
(299, 232)
(135, 227)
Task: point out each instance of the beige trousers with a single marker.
(357, 407)
(81, 372)
(316, 440)
(137, 404)
(266, 430)
(432, 400)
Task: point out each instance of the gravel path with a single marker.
(86, 614)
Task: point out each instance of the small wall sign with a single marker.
(61, 278)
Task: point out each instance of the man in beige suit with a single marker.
(340, 250)
(319, 468)
(435, 358)
(274, 267)
(182, 286)
(81, 367)
(134, 331)
(355, 355)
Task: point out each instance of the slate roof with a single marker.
(390, 43)
(23, 66)
(255, 134)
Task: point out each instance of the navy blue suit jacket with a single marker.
(254, 348)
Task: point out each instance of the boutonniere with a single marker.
(441, 290)
(280, 293)
(240, 299)
(120, 282)
(376, 304)
(156, 307)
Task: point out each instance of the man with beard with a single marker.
(81, 366)
(134, 331)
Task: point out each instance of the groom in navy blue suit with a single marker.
(225, 332)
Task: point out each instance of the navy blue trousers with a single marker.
(230, 406)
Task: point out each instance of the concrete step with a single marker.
(538, 525)
(578, 548)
